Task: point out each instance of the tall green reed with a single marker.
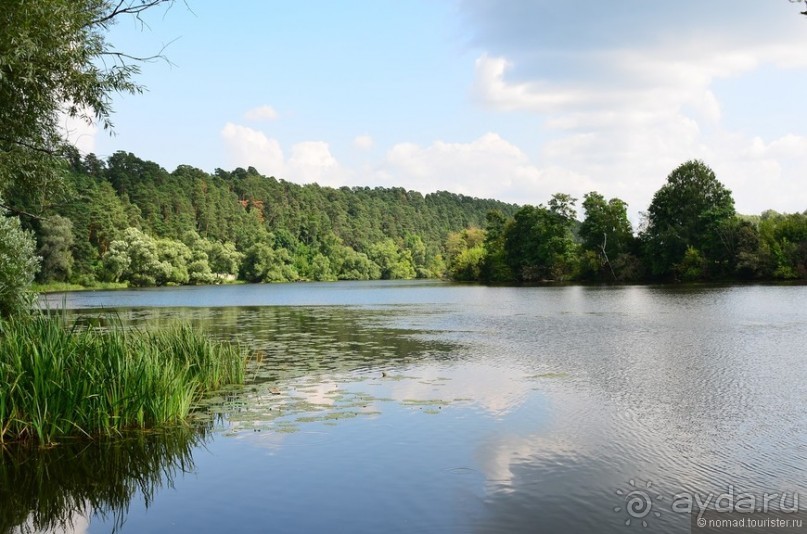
(57, 380)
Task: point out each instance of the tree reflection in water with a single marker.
(56, 489)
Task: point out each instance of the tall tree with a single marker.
(685, 223)
(606, 231)
(539, 244)
(495, 267)
(55, 61)
(50, 52)
(56, 241)
(18, 265)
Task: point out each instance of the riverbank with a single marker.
(61, 287)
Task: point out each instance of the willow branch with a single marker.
(126, 9)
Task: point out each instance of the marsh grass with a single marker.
(60, 287)
(58, 380)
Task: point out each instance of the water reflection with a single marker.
(296, 341)
(61, 488)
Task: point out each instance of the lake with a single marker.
(439, 407)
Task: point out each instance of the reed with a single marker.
(57, 380)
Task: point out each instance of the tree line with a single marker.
(690, 232)
(127, 220)
(124, 219)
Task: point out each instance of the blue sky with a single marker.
(509, 99)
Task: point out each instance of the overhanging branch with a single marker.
(20, 212)
(29, 146)
(125, 7)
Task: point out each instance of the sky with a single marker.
(507, 99)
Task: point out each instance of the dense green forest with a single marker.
(690, 232)
(129, 220)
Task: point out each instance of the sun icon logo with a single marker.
(638, 505)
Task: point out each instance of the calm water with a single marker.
(433, 407)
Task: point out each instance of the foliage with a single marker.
(783, 245)
(18, 265)
(55, 62)
(605, 234)
(263, 263)
(494, 266)
(55, 242)
(57, 381)
(357, 266)
(693, 234)
(134, 222)
(224, 260)
(465, 254)
(692, 266)
(690, 211)
(395, 263)
(49, 68)
(540, 245)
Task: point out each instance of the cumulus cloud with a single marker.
(79, 132)
(488, 167)
(261, 113)
(627, 95)
(491, 87)
(249, 147)
(363, 142)
(310, 161)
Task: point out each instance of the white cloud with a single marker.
(626, 96)
(261, 113)
(491, 87)
(79, 133)
(627, 137)
(363, 142)
(488, 167)
(248, 147)
(788, 146)
(645, 86)
(310, 161)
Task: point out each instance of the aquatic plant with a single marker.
(58, 380)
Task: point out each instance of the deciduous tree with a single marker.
(18, 265)
(688, 212)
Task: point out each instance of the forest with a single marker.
(130, 221)
(691, 232)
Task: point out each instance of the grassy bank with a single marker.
(60, 287)
(57, 381)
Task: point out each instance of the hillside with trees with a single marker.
(129, 220)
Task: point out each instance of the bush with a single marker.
(18, 266)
